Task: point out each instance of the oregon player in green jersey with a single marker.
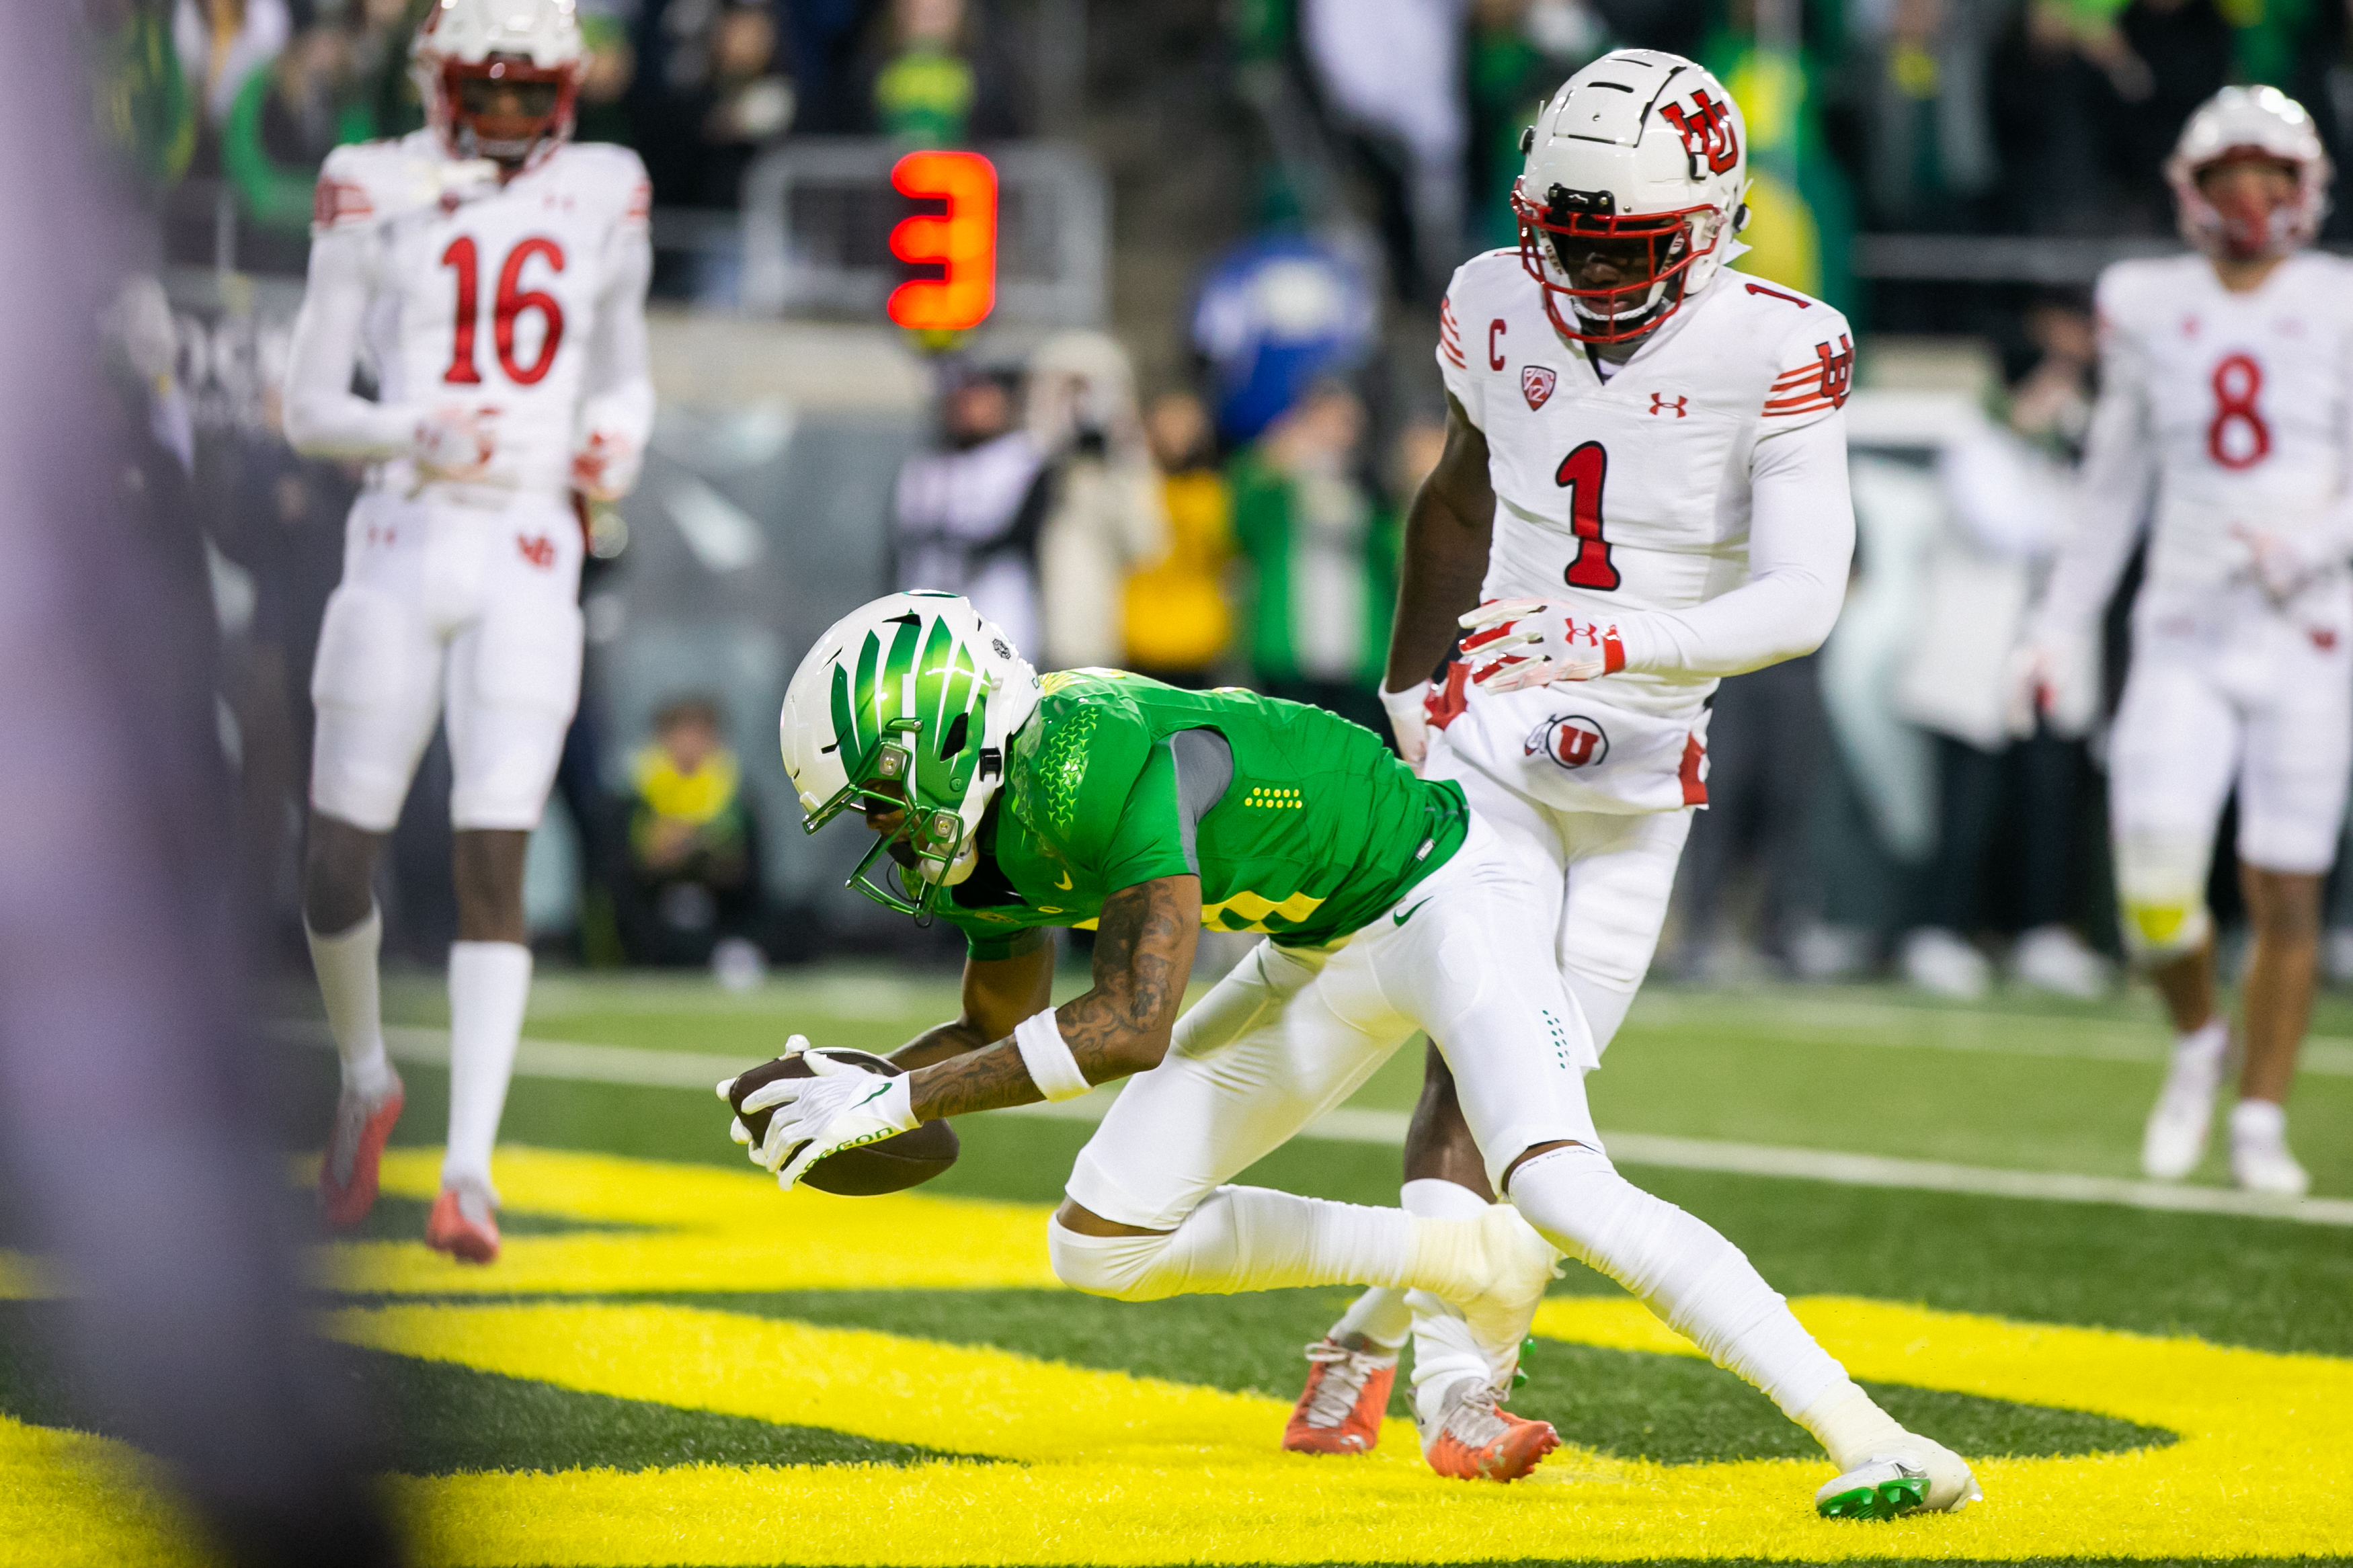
(1005, 804)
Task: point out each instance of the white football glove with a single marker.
(2055, 678)
(456, 444)
(2282, 564)
(1409, 714)
(605, 467)
(843, 1106)
(1518, 643)
(794, 1045)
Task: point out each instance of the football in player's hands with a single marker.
(891, 1165)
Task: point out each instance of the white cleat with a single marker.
(1520, 1264)
(2260, 1161)
(1941, 962)
(1913, 1476)
(2175, 1139)
(2053, 958)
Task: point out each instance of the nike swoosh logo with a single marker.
(1064, 882)
(1404, 915)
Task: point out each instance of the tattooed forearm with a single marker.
(939, 1043)
(1143, 953)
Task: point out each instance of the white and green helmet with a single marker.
(918, 692)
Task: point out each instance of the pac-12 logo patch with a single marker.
(1570, 739)
(1536, 383)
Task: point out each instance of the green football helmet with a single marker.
(913, 698)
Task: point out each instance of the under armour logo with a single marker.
(1838, 369)
(1662, 403)
(539, 550)
(1707, 133)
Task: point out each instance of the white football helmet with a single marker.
(918, 694)
(2241, 123)
(1641, 157)
(531, 46)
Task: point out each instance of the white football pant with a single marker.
(2222, 693)
(449, 610)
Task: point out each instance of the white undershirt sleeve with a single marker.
(618, 394)
(1800, 543)
(324, 418)
(2112, 492)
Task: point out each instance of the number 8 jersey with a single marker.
(2237, 410)
(523, 301)
(1634, 498)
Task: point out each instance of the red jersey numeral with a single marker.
(1581, 474)
(464, 259)
(2236, 381)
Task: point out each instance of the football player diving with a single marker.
(1005, 805)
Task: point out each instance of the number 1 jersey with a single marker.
(1631, 494)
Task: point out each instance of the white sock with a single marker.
(1384, 1315)
(2259, 1121)
(1850, 1424)
(345, 963)
(489, 983)
(2209, 1039)
(1700, 1284)
(1444, 1353)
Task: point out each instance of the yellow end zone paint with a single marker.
(1096, 1467)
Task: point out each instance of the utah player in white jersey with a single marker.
(1644, 490)
(491, 275)
(2225, 420)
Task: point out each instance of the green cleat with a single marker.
(1883, 1489)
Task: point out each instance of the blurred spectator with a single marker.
(1179, 622)
(146, 109)
(967, 516)
(602, 114)
(711, 85)
(1104, 516)
(693, 883)
(1325, 576)
(2183, 50)
(222, 42)
(1277, 312)
(289, 114)
(1390, 75)
(378, 42)
(1800, 211)
(943, 82)
(2011, 798)
(1928, 138)
(1520, 53)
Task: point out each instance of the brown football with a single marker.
(891, 1165)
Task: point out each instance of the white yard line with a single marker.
(571, 1062)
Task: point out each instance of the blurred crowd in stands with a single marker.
(1232, 512)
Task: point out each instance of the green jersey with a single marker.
(1317, 831)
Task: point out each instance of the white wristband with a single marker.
(1052, 1066)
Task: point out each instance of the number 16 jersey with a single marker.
(1630, 493)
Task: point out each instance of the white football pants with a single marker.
(450, 609)
(2222, 694)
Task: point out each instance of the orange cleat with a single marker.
(1340, 1411)
(347, 1176)
(464, 1224)
(1474, 1439)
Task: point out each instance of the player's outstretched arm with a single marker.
(998, 994)
(1143, 954)
(1447, 532)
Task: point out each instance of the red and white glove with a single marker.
(604, 467)
(2055, 680)
(1519, 642)
(456, 444)
(2283, 563)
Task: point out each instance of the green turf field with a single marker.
(674, 1364)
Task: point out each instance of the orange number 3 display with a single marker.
(963, 242)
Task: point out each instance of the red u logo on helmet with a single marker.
(1707, 133)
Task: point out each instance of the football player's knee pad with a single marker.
(1237, 1239)
(1123, 1268)
(2161, 895)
